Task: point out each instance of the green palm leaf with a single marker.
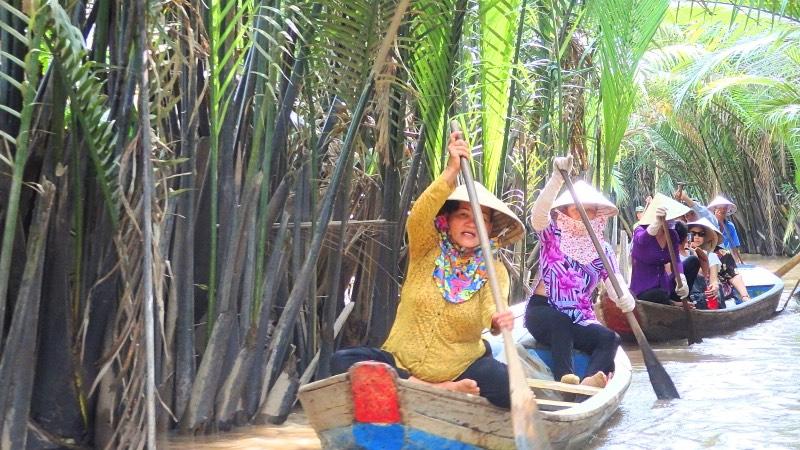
(27, 88)
(349, 34)
(498, 21)
(434, 33)
(88, 102)
(626, 29)
(10, 86)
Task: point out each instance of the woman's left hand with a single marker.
(502, 321)
(457, 148)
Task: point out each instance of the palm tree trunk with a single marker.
(280, 341)
(333, 272)
(18, 364)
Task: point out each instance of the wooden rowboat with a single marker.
(370, 407)
(664, 323)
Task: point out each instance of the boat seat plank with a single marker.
(563, 387)
(554, 404)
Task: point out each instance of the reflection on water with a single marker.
(295, 434)
(739, 391)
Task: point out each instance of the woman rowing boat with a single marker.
(446, 302)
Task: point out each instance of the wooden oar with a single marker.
(528, 430)
(659, 378)
(789, 265)
(673, 258)
(783, 270)
(789, 298)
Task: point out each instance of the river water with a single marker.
(738, 391)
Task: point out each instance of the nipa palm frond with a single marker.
(88, 101)
(349, 34)
(10, 65)
(627, 27)
(433, 38)
(27, 88)
(498, 21)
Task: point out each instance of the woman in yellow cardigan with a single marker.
(446, 301)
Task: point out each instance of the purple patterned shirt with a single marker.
(568, 283)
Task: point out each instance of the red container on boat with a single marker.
(712, 300)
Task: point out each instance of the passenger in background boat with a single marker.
(639, 211)
(723, 209)
(559, 313)
(687, 256)
(731, 282)
(704, 291)
(650, 280)
(721, 279)
(446, 300)
(698, 211)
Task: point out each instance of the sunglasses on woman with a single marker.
(700, 233)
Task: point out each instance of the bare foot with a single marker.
(466, 386)
(570, 378)
(598, 380)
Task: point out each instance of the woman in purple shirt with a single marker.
(650, 278)
(559, 313)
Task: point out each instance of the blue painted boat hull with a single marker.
(387, 437)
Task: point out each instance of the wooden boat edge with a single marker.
(732, 316)
(564, 426)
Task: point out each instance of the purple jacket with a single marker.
(647, 267)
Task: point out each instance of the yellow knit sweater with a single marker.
(436, 340)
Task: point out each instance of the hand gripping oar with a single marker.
(528, 430)
(659, 378)
(692, 337)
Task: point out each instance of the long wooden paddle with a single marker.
(659, 378)
(789, 298)
(692, 337)
(528, 430)
(787, 266)
(673, 258)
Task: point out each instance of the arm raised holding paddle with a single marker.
(446, 300)
(527, 427)
(559, 313)
(458, 149)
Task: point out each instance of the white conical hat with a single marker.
(588, 195)
(713, 235)
(674, 209)
(506, 226)
(722, 201)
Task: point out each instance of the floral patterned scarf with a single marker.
(459, 275)
(575, 240)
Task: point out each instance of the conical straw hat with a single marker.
(722, 201)
(674, 209)
(713, 235)
(506, 226)
(589, 196)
